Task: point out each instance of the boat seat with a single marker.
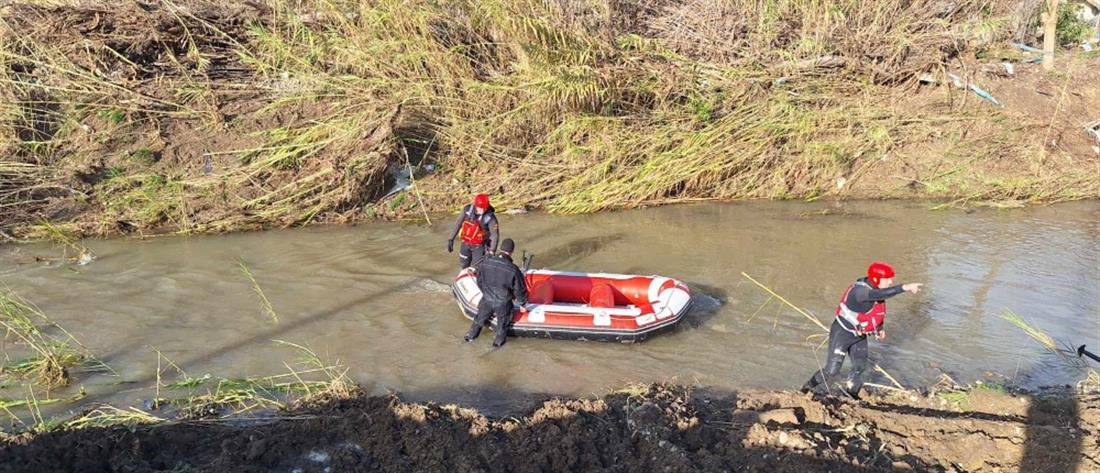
(601, 296)
(541, 293)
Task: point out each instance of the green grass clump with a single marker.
(54, 353)
(308, 378)
(1071, 29)
(958, 398)
(962, 397)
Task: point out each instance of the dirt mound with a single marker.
(656, 428)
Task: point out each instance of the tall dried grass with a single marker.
(573, 106)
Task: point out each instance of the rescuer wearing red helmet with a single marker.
(478, 228)
(862, 311)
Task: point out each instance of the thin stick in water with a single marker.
(412, 179)
(891, 378)
(883, 386)
(785, 301)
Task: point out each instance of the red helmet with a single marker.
(481, 201)
(876, 271)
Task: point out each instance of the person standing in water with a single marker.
(478, 228)
(501, 282)
(861, 312)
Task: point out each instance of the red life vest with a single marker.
(473, 230)
(862, 322)
(472, 233)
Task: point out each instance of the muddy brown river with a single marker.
(376, 298)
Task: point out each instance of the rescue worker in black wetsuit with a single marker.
(501, 282)
(478, 228)
(862, 311)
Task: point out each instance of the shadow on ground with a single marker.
(657, 428)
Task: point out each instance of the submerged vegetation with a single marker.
(195, 116)
(54, 357)
(52, 354)
(1066, 353)
(308, 378)
(1090, 382)
(265, 304)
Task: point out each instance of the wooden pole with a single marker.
(1050, 33)
(785, 301)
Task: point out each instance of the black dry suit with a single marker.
(500, 281)
(846, 340)
(474, 247)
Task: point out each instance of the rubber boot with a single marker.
(808, 387)
(850, 390)
(499, 340)
(472, 335)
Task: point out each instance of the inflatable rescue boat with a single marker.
(587, 306)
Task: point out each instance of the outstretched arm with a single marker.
(873, 295)
(878, 294)
(458, 224)
(494, 233)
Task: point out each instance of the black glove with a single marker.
(450, 246)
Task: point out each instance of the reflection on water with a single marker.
(376, 297)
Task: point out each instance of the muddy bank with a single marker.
(656, 428)
(196, 117)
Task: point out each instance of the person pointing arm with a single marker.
(861, 311)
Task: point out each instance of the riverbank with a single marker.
(656, 428)
(189, 336)
(196, 117)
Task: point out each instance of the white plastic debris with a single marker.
(85, 258)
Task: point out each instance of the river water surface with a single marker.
(376, 298)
